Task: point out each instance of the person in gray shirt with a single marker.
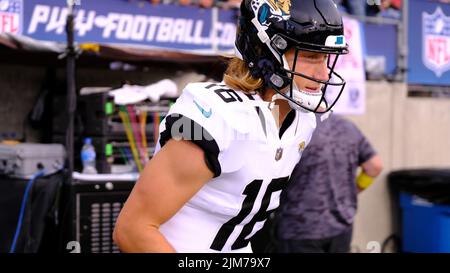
(317, 210)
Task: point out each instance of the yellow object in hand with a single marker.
(364, 181)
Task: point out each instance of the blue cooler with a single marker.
(425, 226)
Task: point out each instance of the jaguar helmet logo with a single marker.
(267, 11)
(283, 5)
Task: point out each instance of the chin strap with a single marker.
(303, 98)
(308, 99)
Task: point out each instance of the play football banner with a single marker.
(136, 23)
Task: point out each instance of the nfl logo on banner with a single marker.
(436, 41)
(11, 16)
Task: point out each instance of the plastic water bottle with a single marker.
(88, 156)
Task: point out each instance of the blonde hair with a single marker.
(237, 76)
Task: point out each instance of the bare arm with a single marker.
(168, 181)
(370, 169)
(373, 166)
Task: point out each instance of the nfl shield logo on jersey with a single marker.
(279, 154)
(436, 41)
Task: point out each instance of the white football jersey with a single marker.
(251, 164)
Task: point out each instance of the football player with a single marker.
(226, 150)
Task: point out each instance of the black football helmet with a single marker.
(267, 29)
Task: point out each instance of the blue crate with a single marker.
(425, 226)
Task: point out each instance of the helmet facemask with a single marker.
(318, 101)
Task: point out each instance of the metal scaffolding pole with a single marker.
(71, 55)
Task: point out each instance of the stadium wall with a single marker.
(408, 132)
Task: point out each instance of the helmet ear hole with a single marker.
(277, 80)
(279, 43)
